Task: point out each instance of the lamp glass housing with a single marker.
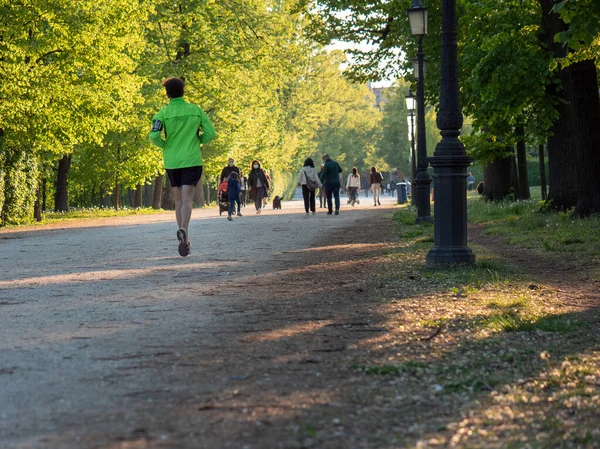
(411, 102)
(417, 16)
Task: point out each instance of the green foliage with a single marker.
(20, 179)
(533, 172)
(394, 146)
(2, 174)
(583, 33)
(491, 34)
(498, 101)
(85, 81)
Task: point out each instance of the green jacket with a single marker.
(331, 172)
(185, 127)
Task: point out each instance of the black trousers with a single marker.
(309, 198)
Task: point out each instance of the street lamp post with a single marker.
(417, 16)
(450, 160)
(410, 106)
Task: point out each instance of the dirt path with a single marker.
(109, 340)
(280, 331)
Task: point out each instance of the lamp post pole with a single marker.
(417, 15)
(423, 180)
(413, 160)
(410, 106)
(450, 160)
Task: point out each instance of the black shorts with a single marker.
(188, 176)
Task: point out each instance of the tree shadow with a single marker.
(329, 354)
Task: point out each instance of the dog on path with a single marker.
(277, 203)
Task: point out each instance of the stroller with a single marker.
(222, 198)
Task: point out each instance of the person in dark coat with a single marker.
(227, 171)
(258, 185)
(233, 195)
(330, 178)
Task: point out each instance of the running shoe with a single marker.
(184, 248)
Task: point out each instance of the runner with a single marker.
(185, 127)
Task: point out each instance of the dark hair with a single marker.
(254, 162)
(373, 170)
(234, 175)
(309, 163)
(174, 87)
(354, 171)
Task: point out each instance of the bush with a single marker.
(19, 185)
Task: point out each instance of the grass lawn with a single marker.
(502, 354)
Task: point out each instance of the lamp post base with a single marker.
(450, 211)
(440, 257)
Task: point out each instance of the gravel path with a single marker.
(98, 319)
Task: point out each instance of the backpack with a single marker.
(311, 184)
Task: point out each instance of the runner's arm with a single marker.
(157, 130)
(207, 128)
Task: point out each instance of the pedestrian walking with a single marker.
(244, 186)
(185, 127)
(258, 185)
(330, 177)
(233, 195)
(470, 181)
(353, 185)
(228, 170)
(322, 193)
(375, 180)
(309, 181)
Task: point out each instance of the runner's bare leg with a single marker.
(177, 194)
(185, 213)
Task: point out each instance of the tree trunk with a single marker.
(514, 175)
(542, 172)
(168, 197)
(117, 195)
(158, 187)
(131, 198)
(498, 178)
(37, 208)
(585, 127)
(207, 192)
(523, 192)
(44, 192)
(138, 195)
(61, 199)
(148, 192)
(561, 164)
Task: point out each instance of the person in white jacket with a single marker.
(309, 181)
(353, 185)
